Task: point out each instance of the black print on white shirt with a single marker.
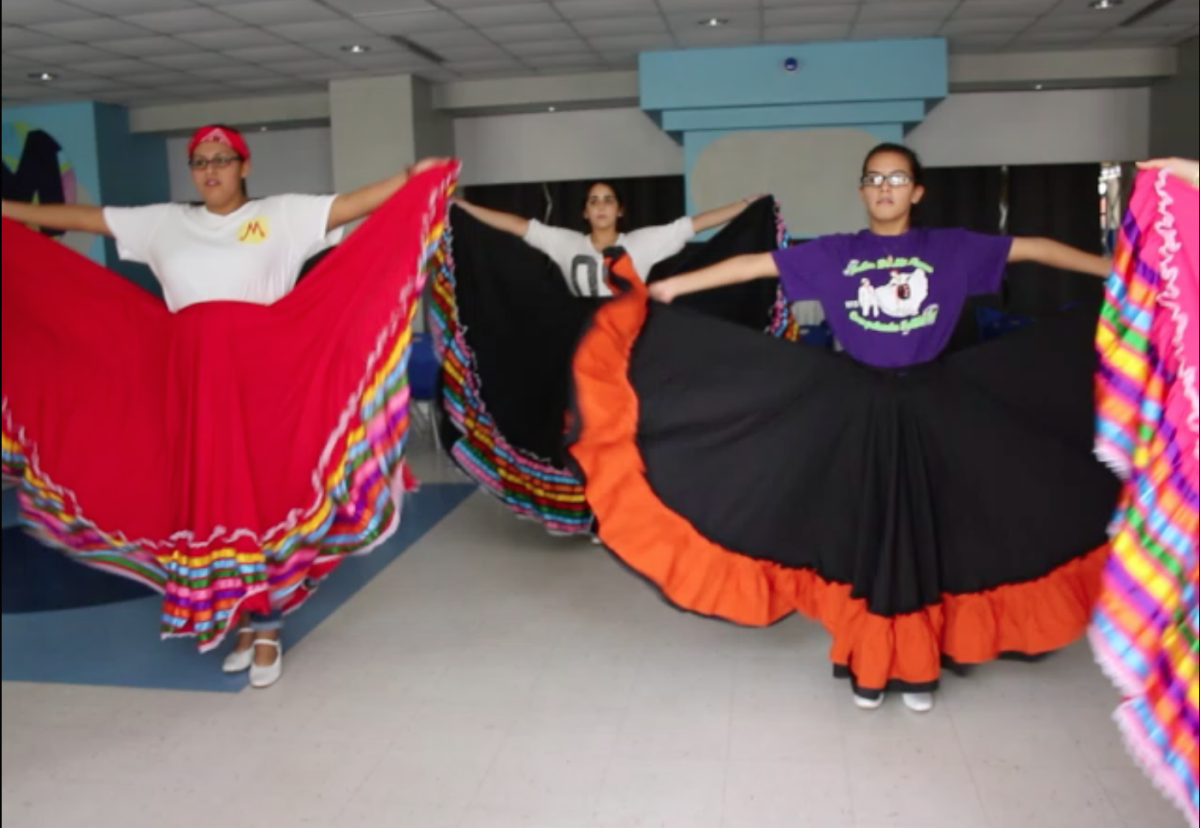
(591, 273)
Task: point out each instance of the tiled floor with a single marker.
(496, 678)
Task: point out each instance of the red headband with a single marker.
(220, 135)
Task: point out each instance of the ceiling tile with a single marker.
(988, 26)
(797, 15)
(145, 46)
(375, 45)
(89, 85)
(346, 30)
(13, 37)
(32, 12)
(591, 10)
(313, 66)
(707, 38)
(199, 92)
(183, 21)
(670, 7)
(1180, 13)
(579, 61)
(563, 46)
(230, 71)
(341, 73)
(457, 39)
(266, 55)
(620, 26)
(1151, 34)
(510, 15)
(90, 31)
(279, 12)
(916, 10)
(273, 84)
(1075, 22)
(1004, 8)
(806, 34)
(896, 29)
(379, 6)
(406, 23)
(191, 62)
(119, 8)
(61, 55)
(399, 60)
(525, 34)
(158, 78)
(115, 68)
(632, 43)
(688, 23)
(475, 67)
(475, 4)
(243, 38)
(775, 4)
(975, 44)
(8, 61)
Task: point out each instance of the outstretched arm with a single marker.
(358, 204)
(81, 218)
(729, 272)
(505, 222)
(1059, 255)
(722, 215)
(1182, 168)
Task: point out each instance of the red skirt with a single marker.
(230, 455)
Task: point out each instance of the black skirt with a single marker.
(506, 326)
(950, 512)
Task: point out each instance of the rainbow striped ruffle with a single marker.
(531, 487)
(1147, 624)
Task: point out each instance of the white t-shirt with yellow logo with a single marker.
(252, 255)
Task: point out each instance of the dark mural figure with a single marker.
(37, 176)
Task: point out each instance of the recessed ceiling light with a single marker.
(44, 77)
(356, 49)
(1105, 5)
(715, 22)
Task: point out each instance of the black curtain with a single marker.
(967, 197)
(970, 198)
(1061, 202)
(648, 201)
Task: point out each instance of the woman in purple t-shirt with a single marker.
(892, 293)
(928, 509)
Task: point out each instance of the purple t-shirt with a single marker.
(894, 301)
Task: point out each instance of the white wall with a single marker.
(1174, 125)
(285, 161)
(564, 146)
(1049, 127)
(966, 129)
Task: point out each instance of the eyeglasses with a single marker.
(220, 162)
(896, 179)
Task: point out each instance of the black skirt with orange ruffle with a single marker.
(953, 512)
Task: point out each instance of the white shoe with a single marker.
(596, 540)
(863, 703)
(919, 702)
(263, 677)
(239, 661)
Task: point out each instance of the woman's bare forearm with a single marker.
(67, 217)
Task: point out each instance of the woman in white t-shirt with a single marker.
(580, 257)
(242, 436)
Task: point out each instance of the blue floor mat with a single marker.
(115, 643)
